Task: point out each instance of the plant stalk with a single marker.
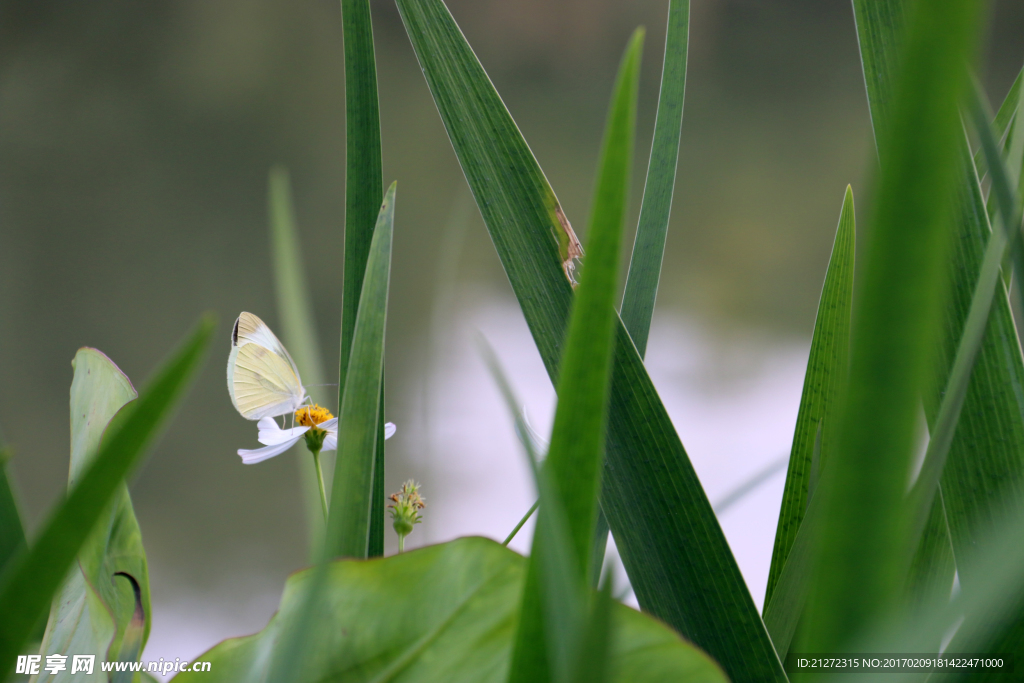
(320, 480)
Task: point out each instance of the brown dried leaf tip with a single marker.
(569, 248)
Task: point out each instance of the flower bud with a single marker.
(405, 507)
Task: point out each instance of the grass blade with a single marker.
(823, 381)
(298, 328)
(750, 485)
(364, 184)
(955, 393)
(783, 612)
(983, 608)
(674, 551)
(29, 585)
(573, 466)
(1002, 123)
(295, 308)
(12, 532)
(364, 191)
(986, 456)
(649, 245)
(566, 638)
(896, 326)
(348, 527)
(349, 521)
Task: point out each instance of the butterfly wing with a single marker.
(262, 378)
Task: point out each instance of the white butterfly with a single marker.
(262, 378)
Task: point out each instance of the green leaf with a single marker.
(977, 612)
(552, 626)
(823, 381)
(649, 244)
(12, 532)
(986, 456)
(364, 191)
(97, 603)
(1003, 122)
(678, 561)
(443, 614)
(946, 421)
(573, 465)
(295, 308)
(348, 527)
(298, 328)
(860, 565)
(32, 581)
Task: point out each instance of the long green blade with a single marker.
(649, 244)
(28, 587)
(986, 456)
(364, 184)
(976, 613)
(349, 523)
(12, 532)
(859, 568)
(678, 561)
(573, 465)
(295, 311)
(947, 418)
(364, 190)
(295, 308)
(348, 527)
(1004, 120)
(826, 369)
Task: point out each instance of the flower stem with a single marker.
(320, 478)
(529, 513)
(401, 543)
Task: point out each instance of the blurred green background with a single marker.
(135, 140)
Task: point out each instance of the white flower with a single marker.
(277, 440)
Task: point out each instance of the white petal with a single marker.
(389, 429)
(330, 425)
(260, 454)
(267, 423)
(271, 435)
(330, 442)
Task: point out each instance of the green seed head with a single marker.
(405, 509)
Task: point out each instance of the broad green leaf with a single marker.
(860, 567)
(96, 605)
(573, 465)
(649, 245)
(364, 191)
(986, 456)
(29, 586)
(295, 311)
(823, 380)
(678, 561)
(441, 614)
(12, 532)
(348, 527)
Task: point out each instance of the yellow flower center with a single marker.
(311, 416)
